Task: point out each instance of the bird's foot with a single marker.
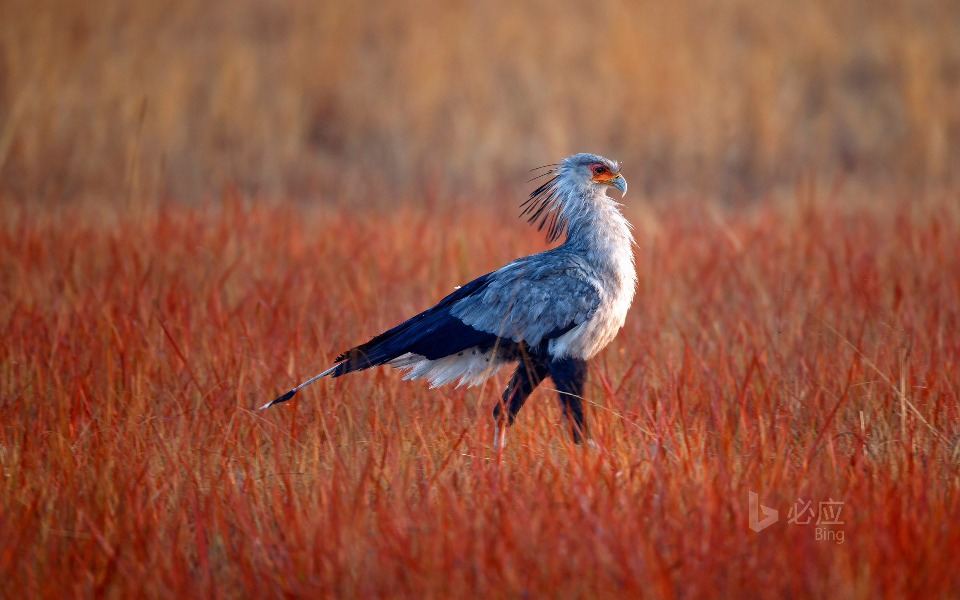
(499, 436)
(599, 450)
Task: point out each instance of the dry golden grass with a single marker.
(176, 97)
(800, 351)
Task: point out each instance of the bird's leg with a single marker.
(570, 377)
(530, 372)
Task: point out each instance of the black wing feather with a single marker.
(433, 334)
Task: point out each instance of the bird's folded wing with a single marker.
(532, 299)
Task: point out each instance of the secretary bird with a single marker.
(549, 313)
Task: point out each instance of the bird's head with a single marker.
(593, 170)
(572, 183)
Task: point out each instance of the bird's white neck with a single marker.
(596, 227)
(599, 235)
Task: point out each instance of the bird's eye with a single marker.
(599, 170)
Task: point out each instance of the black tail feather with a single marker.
(282, 398)
(433, 334)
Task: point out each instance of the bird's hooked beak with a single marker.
(620, 183)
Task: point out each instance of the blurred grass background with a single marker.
(352, 99)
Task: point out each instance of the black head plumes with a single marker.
(543, 205)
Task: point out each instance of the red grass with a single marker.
(798, 351)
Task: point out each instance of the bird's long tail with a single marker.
(293, 392)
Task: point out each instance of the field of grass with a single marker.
(807, 349)
(202, 203)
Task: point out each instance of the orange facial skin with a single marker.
(603, 177)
